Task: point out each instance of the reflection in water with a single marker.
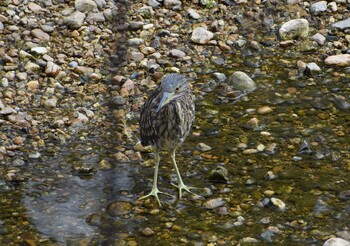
(59, 208)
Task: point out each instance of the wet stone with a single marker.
(344, 195)
(203, 147)
(119, 208)
(213, 203)
(201, 36)
(241, 81)
(219, 175)
(147, 232)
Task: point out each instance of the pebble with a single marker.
(147, 232)
(177, 53)
(193, 14)
(39, 50)
(264, 110)
(213, 203)
(241, 81)
(341, 60)
(319, 38)
(50, 103)
(75, 20)
(85, 5)
(336, 242)
(319, 7)
(40, 34)
(201, 35)
(343, 24)
(203, 147)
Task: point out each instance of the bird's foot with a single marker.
(181, 186)
(154, 192)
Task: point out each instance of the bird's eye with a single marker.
(177, 89)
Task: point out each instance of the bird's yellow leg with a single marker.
(181, 186)
(154, 192)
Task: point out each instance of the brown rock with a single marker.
(40, 34)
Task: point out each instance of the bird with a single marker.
(166, 119)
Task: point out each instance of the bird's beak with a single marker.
(165, 99)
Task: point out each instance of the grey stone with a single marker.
(177, 53)
(342, 25)
(135, 41)
(220, 77)
(95, 17)
(319, 38)
(75, 20)
(241, 81)
(293, 29)
(193, 14)
(85, 5)
(319, 7)
(153, 3)
(201, 35)
(100, 4)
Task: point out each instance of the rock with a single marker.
(203, 147)
(35, 7)
(336, 242)
(33, 67)
(219, 175)
(312, 69)
(319, 38)
(121, 157)
(342, 25)
(241, 81)
(213, 203)
(32, 85)
(193, 14)
(173, 4)
(264, 110)
(119, 208)
(40, 50)
(104, 165)
(147, 232)
(344, 195)
(135, 41)
(274, 203)
(50, 103)
(177, 53)
(75, 20)
(95, 17)
(52, 69)
(220, 77)
(101, 4)
(294, 29)
(7, 110)
(319, 7)
(40, 34)
(201, 35)
(153, 3)
(341, 60)
(85, 5)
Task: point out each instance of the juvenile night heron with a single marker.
(166, 120)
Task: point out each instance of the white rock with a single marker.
(297, 28)
(39, 50)
(336, 242)
(342, 60)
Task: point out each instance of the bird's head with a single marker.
(173, 85)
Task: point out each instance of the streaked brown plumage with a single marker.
(166, 120)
